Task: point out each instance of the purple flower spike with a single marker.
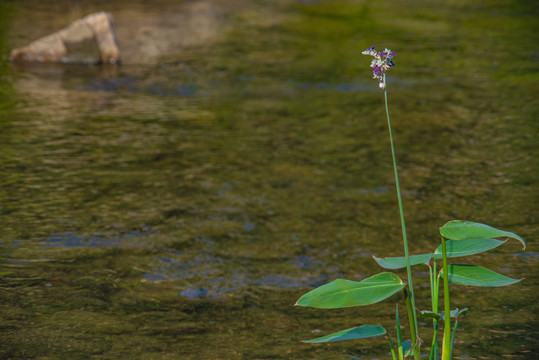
(381, 63)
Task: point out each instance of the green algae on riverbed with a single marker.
(178, 209)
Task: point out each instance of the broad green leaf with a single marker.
(474, 275)
(462, 230)
(456, 248)
(400, 262)
(360, 332)
(344, 293)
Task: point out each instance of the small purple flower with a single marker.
(381, 63)
(387, 53)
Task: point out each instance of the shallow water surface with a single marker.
(177, 206)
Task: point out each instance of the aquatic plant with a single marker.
(458, 238)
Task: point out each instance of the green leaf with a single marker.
(456, 248)
(454, 313)
(462, 230)
(458, 312)
(344, 293)
(407, 348)
(427, 314)
(400, 262)
(360, 332)
(473, 275)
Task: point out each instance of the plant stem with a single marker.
(399, 334)
(410, 314)
(453, 335)
(434, 289)
(404, 237)
(446, 347)
(392, 347)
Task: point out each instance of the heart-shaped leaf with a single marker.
(344, 293)
(462, 230)
(456, 248)
(360, 332)
(473, 275)
(400, 262)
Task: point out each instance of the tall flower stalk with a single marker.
(459, 238)
(380, 64)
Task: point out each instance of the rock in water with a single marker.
(90, 40)
(80, 44)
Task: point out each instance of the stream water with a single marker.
(177, 206)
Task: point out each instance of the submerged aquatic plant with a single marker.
(458, 238)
